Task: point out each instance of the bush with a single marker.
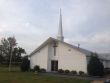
(60, 71)
(81, 73)
(74, 72)
(25, 65)
(67, 71)
(31, 70)
(43, 70)
(95, 66)
(37, 68)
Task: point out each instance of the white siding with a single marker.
(40, 58)
(51, 56)
(69, 58)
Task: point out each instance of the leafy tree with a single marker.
(17, 54)
(25, 65)
(1, 56)
(7, 48)
(95, 66)
(1, 59)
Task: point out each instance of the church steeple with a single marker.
(60, 31)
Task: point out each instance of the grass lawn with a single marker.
(30, 77)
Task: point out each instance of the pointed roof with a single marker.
(60, 31)
(86, 52)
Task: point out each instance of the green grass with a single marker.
(29, 77)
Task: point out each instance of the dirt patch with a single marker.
(97, 81)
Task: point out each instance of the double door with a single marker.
(54, 65)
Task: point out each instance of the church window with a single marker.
(54, 47)
(54, 51)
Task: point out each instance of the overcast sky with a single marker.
(33, 21)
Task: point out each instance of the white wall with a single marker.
(68, 58)
(71, 59)
(51, 56)
(40, 58)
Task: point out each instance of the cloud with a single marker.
(99, 42)
(32, 21)
(103, 38)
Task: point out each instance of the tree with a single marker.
(25, 65)
(7, 47)
(17, 54)
(95, 66)
(1, 56)
(9, 51)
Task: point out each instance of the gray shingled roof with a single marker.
(102, 56)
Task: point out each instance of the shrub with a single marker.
(43, 70)
(67, 71)
(60, 71)
(25, 65)
(31, 70)
(74, 72)
(37, 68)
(95, 66)
(81, 73)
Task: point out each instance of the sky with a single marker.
(85, 22)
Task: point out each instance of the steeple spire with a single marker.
(60, 31)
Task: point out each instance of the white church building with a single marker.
(56, 54)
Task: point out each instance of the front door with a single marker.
(54, 65)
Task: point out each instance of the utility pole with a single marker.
(13, 43)
(10, 58)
